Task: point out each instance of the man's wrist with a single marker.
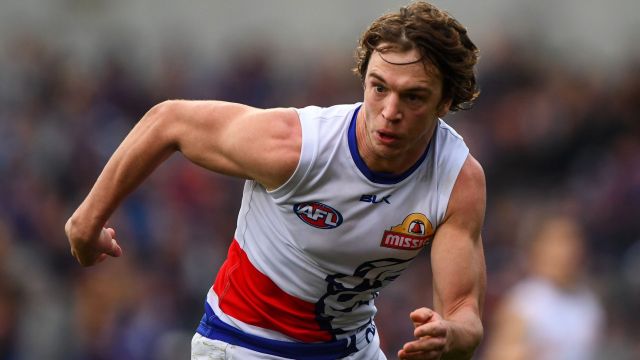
(462, 341)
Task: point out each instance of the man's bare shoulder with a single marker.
(472, 174)
(279, 135)
(468, 197)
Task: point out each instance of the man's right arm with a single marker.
(228, 138)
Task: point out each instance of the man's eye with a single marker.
(413, 98)
(379, 88)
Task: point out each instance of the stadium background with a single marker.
(555, 128)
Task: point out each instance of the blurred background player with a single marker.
(552, 314)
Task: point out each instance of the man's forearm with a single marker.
(145, 147)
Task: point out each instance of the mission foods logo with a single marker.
(318, 215)
(414, 233)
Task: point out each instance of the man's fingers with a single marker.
(419, 355)
(115, 249)
(403, 355)
(109, 245)
(430, 333)
(101, 258)
(89, 252)
(425, 344)
(420, 316)
(432, 329)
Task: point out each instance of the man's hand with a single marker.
(431, 333)
(95, 249)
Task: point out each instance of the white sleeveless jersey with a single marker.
(572, 323)
(309, 258)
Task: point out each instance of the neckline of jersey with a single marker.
(374, 176)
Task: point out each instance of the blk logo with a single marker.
(374, 199)
(318, 215)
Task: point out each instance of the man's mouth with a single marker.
(386, 138)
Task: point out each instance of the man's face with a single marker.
(402, 102)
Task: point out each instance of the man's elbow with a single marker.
(162, 122)
(163, 111)
(165, 107)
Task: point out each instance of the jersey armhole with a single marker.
(449, 168)
(308, 154)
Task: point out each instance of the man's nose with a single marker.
(392, 110)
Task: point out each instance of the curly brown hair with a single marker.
(439, 38)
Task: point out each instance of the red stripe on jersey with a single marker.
(251, 297)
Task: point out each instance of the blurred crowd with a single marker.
(553, 140)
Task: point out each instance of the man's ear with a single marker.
(444, 106)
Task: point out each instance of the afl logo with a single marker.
(318, 215)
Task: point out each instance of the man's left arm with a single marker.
(453, 329)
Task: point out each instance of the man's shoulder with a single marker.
(448, 130)
(327, 112)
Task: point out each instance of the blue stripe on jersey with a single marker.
(378, 177)
(213, 328)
